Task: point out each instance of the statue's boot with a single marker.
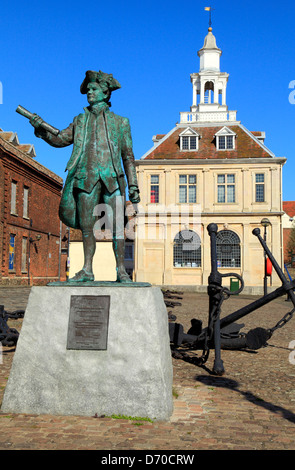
(122, 276)
(119, 250)
(82, 276)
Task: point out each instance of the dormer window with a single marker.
(225, 139)
(189, 140)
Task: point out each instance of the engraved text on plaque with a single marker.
(88, 322)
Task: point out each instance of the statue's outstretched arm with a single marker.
(62, 139)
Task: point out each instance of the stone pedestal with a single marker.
(128, 371)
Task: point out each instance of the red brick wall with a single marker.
(1, 210)
(286, 234)
(44, 198)
(287, 258)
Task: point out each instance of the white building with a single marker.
(208, 164)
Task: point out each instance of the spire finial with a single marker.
(210, 21)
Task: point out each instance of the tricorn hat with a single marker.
(99, 77)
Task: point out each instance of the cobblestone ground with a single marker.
(251, 407)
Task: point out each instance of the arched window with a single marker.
(228, 249)
(187, 249)
(209, 92)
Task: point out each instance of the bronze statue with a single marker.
(101, 140)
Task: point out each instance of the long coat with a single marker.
(120, 142)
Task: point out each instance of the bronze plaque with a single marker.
(88, 322)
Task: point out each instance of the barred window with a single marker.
(187, 249)
(228, 249)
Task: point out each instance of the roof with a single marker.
(247, 144)
(289, 208)
(28, 148)
(9, 136)
(12, 137)
(210, 41)
(25, 152)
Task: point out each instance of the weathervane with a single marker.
(209, 9)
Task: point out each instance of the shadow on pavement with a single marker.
(230, 384)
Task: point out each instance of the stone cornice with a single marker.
(212, 161)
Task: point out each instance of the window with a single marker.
(187, 188)
(189, 142)
(259, 187)
(13, 198)
(128, 252)
(187, 249)
(24, 254)
(226, 188)
(26, 203)
(154, 188)
(225, 142)
(225, 139)
(11, 252)
(228, 249)
(189, 139)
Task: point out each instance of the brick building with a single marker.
(288, 221)
(30, 230)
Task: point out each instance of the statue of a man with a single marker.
(101, 141)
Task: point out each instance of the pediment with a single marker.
(189, 131)
(225, 131)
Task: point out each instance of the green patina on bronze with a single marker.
(101, 143)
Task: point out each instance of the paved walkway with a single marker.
(252, 406)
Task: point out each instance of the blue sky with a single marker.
(151, 48)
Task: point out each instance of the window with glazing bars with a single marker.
(128, 252)
(187, 188)
(225, 142)
(226, 191)
(228, 249)
(154, 188)
(187, 249)
(259, 187)
(189, 142)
